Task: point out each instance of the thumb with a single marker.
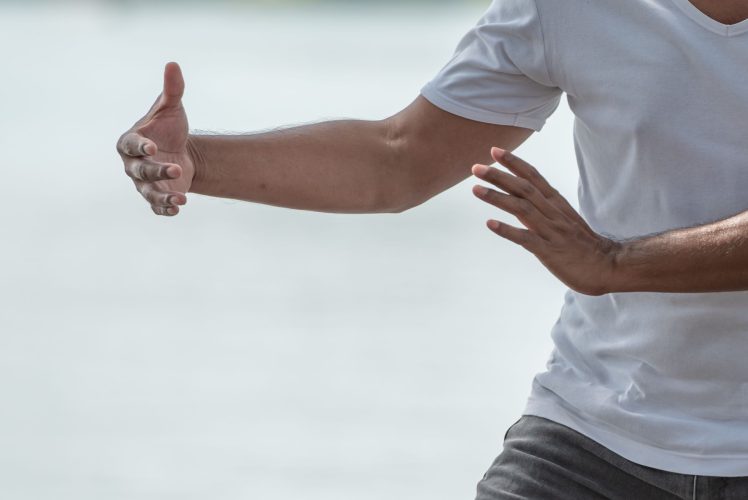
(173, 85)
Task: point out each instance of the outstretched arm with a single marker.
(707, 258)
(349, 166)
(343, 166)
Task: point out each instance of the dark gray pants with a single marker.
(543, 460)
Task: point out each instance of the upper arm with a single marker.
(494, 91)
(438, 148)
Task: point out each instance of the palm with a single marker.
(169, 129)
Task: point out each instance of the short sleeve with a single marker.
(498, 73)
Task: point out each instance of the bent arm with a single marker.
(708, 258)
(711, 257)
(349, 166)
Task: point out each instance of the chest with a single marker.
(650, 73)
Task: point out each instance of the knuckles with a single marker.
(140, 171)
(525, 188)
(143, 171)
(120, 146)
(163, 211)
(524, 207)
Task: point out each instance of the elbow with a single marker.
(398, 193)
(403, 197)
(400, 208)
(393, 200)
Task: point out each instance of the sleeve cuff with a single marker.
(481, 115)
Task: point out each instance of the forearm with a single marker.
(344, 166)
(707, 258)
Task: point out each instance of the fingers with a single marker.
(519, 187)
(173, 85)
(171, 94)
(525, 211)
(158, 198)
(523, 169)
(521, 237)
(143, 169)
(165, 211)
(135, 145)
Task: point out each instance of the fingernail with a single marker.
(172, 172)
(502, 153)
(493, 224)
(173, 200)
(480, 190)
(480, 170)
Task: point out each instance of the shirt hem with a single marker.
(637, 452)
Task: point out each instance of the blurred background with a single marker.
(239, 350)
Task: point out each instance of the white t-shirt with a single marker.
(660, 96)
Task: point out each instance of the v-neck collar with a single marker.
(711, 24)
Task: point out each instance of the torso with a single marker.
(658, 90)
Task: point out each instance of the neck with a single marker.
(723, 11)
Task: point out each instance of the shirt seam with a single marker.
(542, 41)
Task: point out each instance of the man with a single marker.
(646, 391)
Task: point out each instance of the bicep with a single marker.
(439, 148)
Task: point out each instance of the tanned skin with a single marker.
(391, 165)
(344, 166)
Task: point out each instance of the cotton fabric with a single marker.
(659, 92)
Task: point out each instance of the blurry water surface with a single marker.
(238, 350)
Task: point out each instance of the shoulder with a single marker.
(508, 9)
(535, 12)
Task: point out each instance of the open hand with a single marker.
(156, 151)
(556, 234)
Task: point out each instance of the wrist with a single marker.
(196, 152)
(622, 274)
